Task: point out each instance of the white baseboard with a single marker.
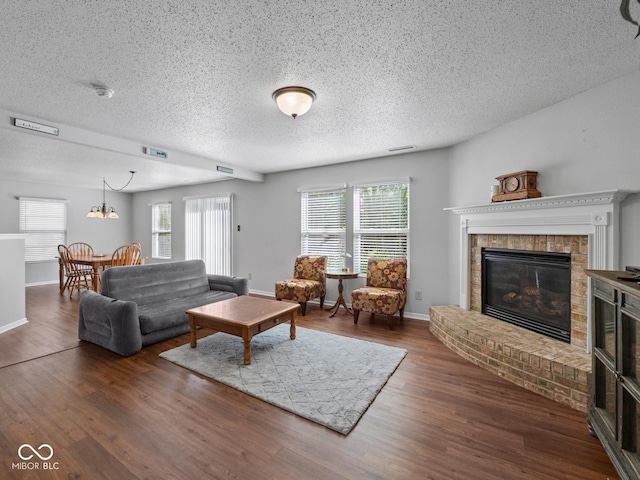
(415, 316)
(262, 294)
(13, 325)
(37, 284)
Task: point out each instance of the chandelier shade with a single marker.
(294, 101)
(103, 211)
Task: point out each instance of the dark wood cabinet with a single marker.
(614, 392)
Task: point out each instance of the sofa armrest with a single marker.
(224, 283)
(110, 323)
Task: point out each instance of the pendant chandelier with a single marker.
(104, 211)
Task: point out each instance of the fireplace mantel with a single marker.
(560, 201)
(594, 214)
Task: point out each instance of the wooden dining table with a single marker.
(96, 262)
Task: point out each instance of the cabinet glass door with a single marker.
(605, 326)
(605, 335)
(606, 395)
(630, 314)
(630, 342)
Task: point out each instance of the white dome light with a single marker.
(294, 101)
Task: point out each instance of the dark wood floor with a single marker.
(438, 417)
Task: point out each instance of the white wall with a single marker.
(12, 294)
(269, 216)
(588, 143)
(103, 234)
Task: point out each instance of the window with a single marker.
(324, 221)
(208, 232)
(161, 230)
(380, 222)
(44, 222)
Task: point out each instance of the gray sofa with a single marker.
(145, 304)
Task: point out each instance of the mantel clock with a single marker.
(516, 186)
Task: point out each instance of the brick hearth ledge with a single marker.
(538, 363)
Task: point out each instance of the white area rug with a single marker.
(326, 378)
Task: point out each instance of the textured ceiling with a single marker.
(195, 79)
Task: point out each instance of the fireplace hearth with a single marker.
(530, 289)
(586, 226)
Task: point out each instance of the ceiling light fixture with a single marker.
(294, 101)
(103, 211)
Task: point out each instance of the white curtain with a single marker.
(208, 232)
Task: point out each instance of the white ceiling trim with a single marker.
(85, 137)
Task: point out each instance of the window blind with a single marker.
(208, 232)
(380, 222)
(43, 221)
(324, 225)
(161, 230)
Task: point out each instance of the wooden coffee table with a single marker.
(244, 317)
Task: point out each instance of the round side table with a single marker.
(340, 276)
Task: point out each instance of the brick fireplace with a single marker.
(575, 245)
(585, 226)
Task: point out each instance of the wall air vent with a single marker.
(399, 149)
(38, 127)
(222, 169)
(154, 152)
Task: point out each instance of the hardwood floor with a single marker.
(438, 417)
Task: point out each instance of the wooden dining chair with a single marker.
(135, 252)
(139, 259)
(75, 277)
(81, 249)
(125, 255)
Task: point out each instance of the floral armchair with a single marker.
(386, 289)
(308, 281)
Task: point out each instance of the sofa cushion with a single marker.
(149, 284)
(170, 312)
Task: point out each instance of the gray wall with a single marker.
(587, 143)
(269, 216)
(103, 234)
